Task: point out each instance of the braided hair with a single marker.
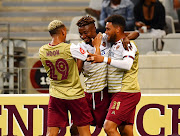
(86, 20)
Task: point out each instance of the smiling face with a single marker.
(87, 32)
(110, 32)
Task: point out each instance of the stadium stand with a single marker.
(29, 18)
(28, 21)
(170, 25)
(145, 47)
(172, 43)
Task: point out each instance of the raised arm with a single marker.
(129, 36)
(132, 35)
(97, 42)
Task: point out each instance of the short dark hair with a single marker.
(117, 20)
(86, 20)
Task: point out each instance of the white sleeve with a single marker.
(128, 58)
(131, 53)
(125, 64)
(78, 51)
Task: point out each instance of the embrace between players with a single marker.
(109, 63)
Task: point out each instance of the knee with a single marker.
(108, 129)
(52, 133)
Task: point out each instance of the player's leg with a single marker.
(62, 131)
(110, 128)
(74, 130)
(132, 99)
(57, 116)
(52, 131)
(84, 130)
(126, 130)
(128, 106)
(102, 102)
(112, 119)
(81, 115)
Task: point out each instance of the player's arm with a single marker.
(125, 64)
(129, 36)
(97, 42)
(80, 64)
(132, 35)
(78, 52)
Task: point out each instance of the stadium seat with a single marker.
(145, 43)
(1, 39)
(95, 4)
(170, 11)
(73, 38)
(172, 43)
(170, 25)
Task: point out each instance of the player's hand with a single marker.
(96, 42)
(126, 44)
(139, 24)
(94, 58)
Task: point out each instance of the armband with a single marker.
(105, 59)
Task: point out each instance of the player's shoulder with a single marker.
(65, 44)
(45, 46)
(82, 43)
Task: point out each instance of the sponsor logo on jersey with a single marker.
(117, 47)
(82, 50)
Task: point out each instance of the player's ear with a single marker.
(118, 29)
(63, 31)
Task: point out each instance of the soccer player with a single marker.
(96, 74)
(122, 79)
(66, 92)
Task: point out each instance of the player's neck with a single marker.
(56, 41)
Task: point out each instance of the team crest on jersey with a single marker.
(117, 47)
(82, 50)
(104, 44)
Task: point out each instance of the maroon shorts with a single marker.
(122, 107)
(58, 112)
(101, 107)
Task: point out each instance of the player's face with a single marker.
(86, 33)
(110, 32)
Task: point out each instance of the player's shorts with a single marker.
(58, 112)
(122, 107)
(101, 107)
